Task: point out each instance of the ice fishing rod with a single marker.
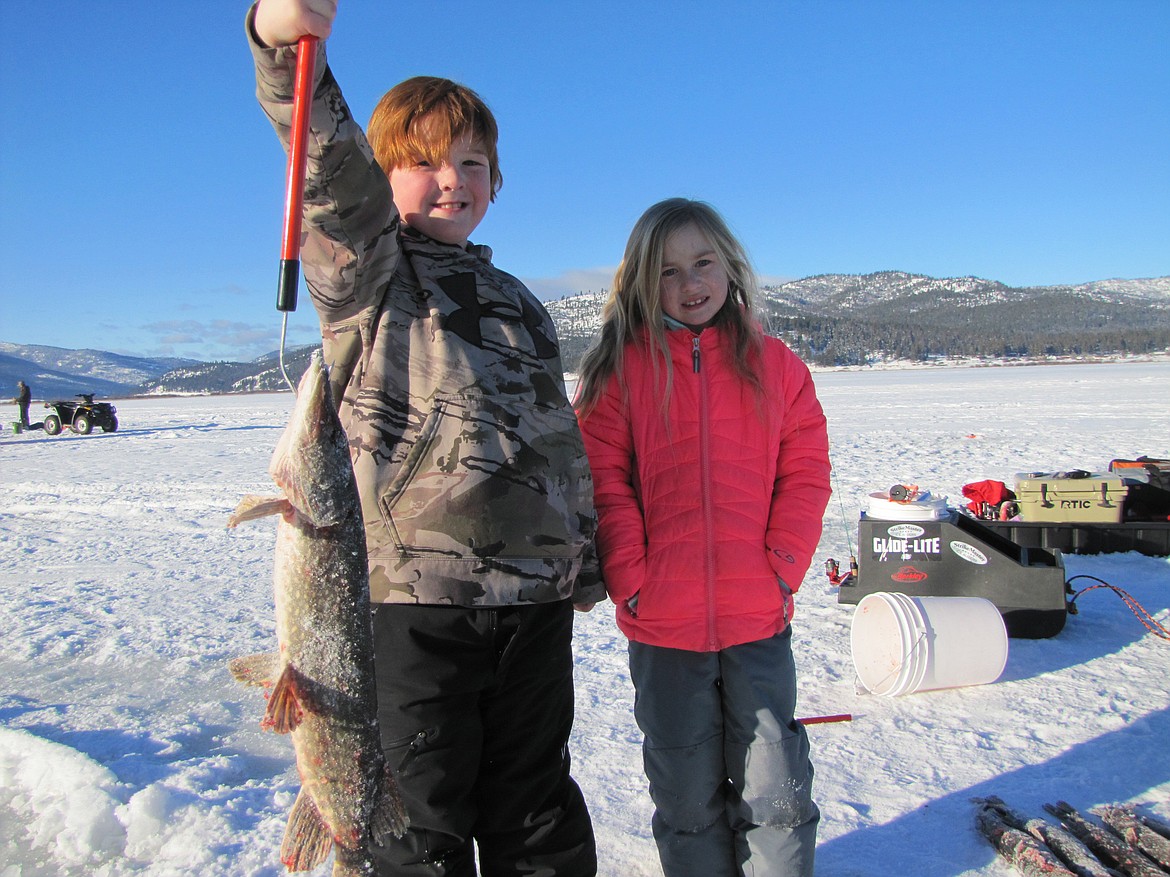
(832, 568)
(826, 720)
(294, 190)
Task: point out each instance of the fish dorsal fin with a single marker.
(307, 839)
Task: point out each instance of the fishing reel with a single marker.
(903, 492)
(833, 571)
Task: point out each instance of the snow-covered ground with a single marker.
(126, 748)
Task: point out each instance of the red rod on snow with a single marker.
(290, 243)
(824, 720)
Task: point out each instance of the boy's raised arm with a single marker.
(349, 217)
(283, 22)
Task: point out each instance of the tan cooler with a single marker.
(1055, 497)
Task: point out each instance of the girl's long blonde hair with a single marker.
(634, 306)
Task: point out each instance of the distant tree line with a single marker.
(838, 328)
(851, 341)
(914, 328)
(262, 375)
(828, 341)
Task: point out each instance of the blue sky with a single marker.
(1024, 141)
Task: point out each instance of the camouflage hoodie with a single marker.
(473, 478)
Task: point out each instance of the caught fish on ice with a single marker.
(321, 679)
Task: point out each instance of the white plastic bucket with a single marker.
(924, 507)
(904, 644)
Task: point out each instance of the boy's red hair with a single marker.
(421, 117)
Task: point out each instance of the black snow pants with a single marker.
(475, 707)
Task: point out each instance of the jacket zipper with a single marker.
(705, 487)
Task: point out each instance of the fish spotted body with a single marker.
(322, 678)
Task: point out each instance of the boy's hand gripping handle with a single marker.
(290, 242)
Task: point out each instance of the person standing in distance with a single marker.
(23, 400)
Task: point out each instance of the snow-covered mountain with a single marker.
(849, 319)
(862, 292)
(57, 373)
(829, 319)
(99, 364)
(60, 373)
(263, 374)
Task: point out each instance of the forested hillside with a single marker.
(841, 320)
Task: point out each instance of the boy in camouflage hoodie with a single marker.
(474, 483)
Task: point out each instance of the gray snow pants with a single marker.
(727, 762)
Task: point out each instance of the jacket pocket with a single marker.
(401, 753)
(786, 600)
(492, 479)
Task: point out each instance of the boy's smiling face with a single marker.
(445, 202)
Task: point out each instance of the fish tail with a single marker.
(307, 839)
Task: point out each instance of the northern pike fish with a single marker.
(1109, 847)
(1029, 856)
(1068, 847)
(321, 678)
(1131, 827)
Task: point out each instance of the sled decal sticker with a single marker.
(909, 574)
(969, 553)
(909, 543)
(905, 531)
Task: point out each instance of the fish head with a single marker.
(311, 463)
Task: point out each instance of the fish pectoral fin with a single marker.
(389, 816)
(284, 711)
(252, 507)
(307, 839)
(255, 669)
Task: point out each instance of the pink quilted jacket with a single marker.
(708, 525)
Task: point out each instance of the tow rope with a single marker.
(1135, 607)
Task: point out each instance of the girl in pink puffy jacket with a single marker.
(710, 463)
